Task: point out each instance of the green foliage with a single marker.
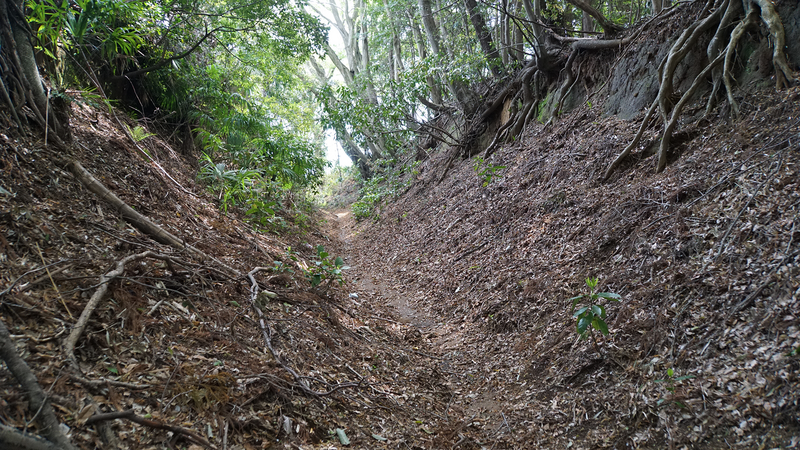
(281, 267)
(138, 133)
(389, 184)
(325, 269)
(593, 314)
(107, 33)
(486, 171)
(233, 75)
(671, 382)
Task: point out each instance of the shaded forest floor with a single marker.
(453, 329)
(705, 256)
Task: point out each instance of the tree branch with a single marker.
(38, 403)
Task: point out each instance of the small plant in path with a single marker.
(670, 384)
(326, 269)
(593, 314)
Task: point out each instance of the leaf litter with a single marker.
(459, 334)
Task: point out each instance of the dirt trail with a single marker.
(383, 293)
(473, 413)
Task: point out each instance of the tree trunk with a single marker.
(20, 78)
(587, 24)
(656, 6)
(534, 10)
(484, 37)
(436, 92)
(431, 30)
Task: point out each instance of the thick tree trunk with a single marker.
(656, 6)
(21, 83)
(484, 37)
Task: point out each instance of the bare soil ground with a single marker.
(453, 329)
(705, 256)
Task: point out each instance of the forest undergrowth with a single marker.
(703, 347)
(147, 304)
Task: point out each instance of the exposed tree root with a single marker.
(131, 415)
(727, 77)
(722, 17)
(15, 439)
(105, 280)
(139, 221)
(783, 74)
(38, 403)
(20, 75)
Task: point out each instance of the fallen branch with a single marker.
(131, 415)
(105, 279)
(139, 221)
(38, 403)
(104, 382)
(266, 331)
(13, 438)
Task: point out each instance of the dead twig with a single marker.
(139, 221)
(131, 415)
(267, 333)
(14, 283)
(105, 279)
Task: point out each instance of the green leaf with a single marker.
(235, 303)
(670, 372)
(580, 311)
(684, 377)
(598, 311)
(338, 262)
(583, 324)
(575, 300)
(600, 324)
(342, 437)
(609, 296)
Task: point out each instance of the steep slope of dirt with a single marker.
(176, 346)
(454, 329)
(704, 255)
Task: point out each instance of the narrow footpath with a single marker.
(464, 397)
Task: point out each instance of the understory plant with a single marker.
(486, 171)
(592, 316)
(390, 184)
(671, 382)
(326, 269)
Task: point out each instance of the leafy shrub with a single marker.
(592, 315)
(389, 185)
(326, 269)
